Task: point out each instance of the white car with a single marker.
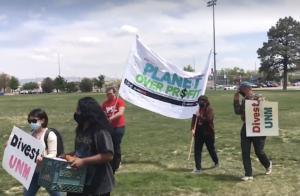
(24, 92)
(230, 87)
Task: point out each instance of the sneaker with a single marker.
(217, 166)
(269, 170)
(246, 178)
(196, 171)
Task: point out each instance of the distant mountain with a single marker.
(70, 79)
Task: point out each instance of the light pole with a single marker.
(194, 63)
(209, 4)
(58, 65)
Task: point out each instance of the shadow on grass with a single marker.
(216, 177)
(164, 167)
(155, 163)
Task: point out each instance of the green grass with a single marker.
(155, 148)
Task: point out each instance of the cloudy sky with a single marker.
(94, 37)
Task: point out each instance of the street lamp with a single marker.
(209, 4)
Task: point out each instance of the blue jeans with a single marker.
(117, 136)
(34, 188)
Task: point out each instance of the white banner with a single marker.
(155, 84)
(20, 156)
(262, 118)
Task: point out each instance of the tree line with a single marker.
(281, 53)
(58, 84)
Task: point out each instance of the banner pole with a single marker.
(192, 142)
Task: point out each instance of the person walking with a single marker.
(38, 121)
(114, 109)
(204, 133)
(245, 90)
(93, 148)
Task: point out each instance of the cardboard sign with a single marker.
(261, 119)
(20, 156)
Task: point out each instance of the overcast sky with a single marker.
(94, 37)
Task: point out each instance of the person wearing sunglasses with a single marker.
(38, 121)
(114, 109)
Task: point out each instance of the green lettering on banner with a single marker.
(176, 86)
(147, 82)
(173, 80)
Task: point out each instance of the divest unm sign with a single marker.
(20, 156)
(262, 118)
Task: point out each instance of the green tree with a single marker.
(290, 78)
(48, 85)
(60, 84)
(281, 52)
(14, 83)
(188, 68)
(30, 86)
(86, 85)
(100, 81)
(71, 87)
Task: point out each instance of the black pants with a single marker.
(80, 194)
(117, 136)
(259, 144)
(209, 141)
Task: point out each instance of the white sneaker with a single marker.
(246, 178)
(269, 170)
(196, 171)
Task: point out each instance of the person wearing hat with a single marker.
(245, 90)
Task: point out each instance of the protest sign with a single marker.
(261, 119)
(153, 83)
(20, 156)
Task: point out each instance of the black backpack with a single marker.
(60, 145)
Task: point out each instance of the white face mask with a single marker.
(35, 126)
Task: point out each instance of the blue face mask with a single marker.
(35, 126)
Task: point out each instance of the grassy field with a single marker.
(155, 148)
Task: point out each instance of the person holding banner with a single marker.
(93, 148)
(38, 121)
(114, 109)
(204, 133)
(245, 90)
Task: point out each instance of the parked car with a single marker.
(253, 85)
(23, 92)
(229, 87)
(296, 84)
(261, 85)
(217, 87)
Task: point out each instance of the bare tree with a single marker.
(4, 81)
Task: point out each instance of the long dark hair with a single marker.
(39, 114)
(92, 112)
(205, 99)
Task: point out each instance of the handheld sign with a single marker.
(20, 156)
(261, 119)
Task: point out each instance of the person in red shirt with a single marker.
(114, 109)
(204, 133)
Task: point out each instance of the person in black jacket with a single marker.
(204, 133)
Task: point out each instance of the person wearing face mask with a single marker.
(114, 109)
(38, 121)
(93, 148)
(245, 90)
(204, 133)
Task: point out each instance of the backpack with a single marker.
(60, 145)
